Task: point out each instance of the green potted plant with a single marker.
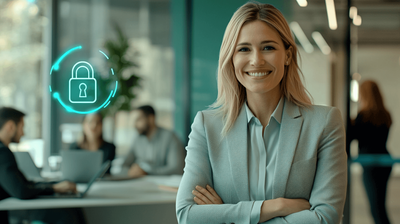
(117, 50)
(122, 62)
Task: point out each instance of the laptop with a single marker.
(99, 174)
(27, 166)
(80, 166)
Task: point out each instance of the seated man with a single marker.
(155, 151)
(14, 184)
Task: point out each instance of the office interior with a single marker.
(174, 46)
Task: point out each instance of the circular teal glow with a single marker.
(56, 95)
(56, 65)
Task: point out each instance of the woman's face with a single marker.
(260, 57)
(92, 126)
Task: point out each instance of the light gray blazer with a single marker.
(311, 164)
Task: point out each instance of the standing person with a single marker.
(371, 129)
(92, 140)
(263, 153)
(156, 151)
(14, 184)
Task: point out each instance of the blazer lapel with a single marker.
(291, 124)
(238, 157)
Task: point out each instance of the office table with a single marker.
(129, 201)
(375, 160)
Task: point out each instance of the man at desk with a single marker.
(14, 184)
(156, 151)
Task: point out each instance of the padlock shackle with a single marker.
(75, 74)
(85, 67)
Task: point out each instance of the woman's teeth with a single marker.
(258, 74)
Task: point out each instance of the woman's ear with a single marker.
(288, 55)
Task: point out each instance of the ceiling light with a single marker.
(33, 10)
(354, 90)
(302, 3)
(301, 36)
(319, 39)
(353, 12)
(330, 10)
(357, 20)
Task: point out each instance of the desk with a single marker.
(130, 201)
(375, 160)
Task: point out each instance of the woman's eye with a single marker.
(269, 48)
(244, 49)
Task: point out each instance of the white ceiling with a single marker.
(380, 21)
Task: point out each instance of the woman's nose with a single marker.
(257, 59)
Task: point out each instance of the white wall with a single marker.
(317, 73)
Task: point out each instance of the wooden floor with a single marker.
(359, 203)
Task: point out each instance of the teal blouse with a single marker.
(262, 151)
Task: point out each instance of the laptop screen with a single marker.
(27, 166)
(99, 174)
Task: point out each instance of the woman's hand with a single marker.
(206, 196)
(282, 207)
(290, 206)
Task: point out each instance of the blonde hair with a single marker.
(232, 94)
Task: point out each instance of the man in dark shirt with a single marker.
(12, 182)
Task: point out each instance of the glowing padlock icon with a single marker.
(82, 90)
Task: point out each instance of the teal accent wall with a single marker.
(209, 19)
(179, 44)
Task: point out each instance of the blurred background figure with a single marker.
(92, 138)
(155, 151)
(371, 129)
(14, 184)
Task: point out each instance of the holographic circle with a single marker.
(56, 95)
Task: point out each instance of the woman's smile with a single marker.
(259, 73)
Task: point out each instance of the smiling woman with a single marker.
(263, 153)
(259, 60)
(244, 44)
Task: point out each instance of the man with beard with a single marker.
(156, 151)
(14, 184)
